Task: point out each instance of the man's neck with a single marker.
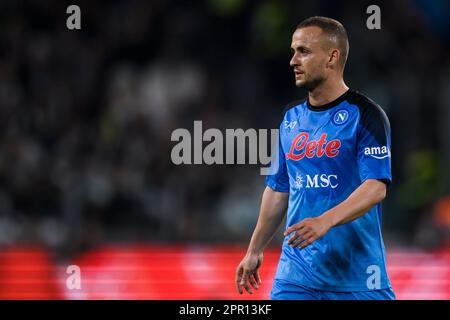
(327, 92)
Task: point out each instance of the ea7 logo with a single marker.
(291, 125)
(377, 152)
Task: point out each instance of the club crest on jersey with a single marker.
(377, 152)
(340, 117)
(301, 146)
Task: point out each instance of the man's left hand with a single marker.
(307, 231)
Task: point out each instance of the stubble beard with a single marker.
(311, 84)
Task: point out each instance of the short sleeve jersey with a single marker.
(324, 154)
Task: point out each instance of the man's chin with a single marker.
(300, 83)
(309, 85)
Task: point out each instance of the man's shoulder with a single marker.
(291, 105)
(367, 107)
(372, 116)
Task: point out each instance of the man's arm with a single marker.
(273, 209)
(361, 200)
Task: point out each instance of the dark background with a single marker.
(87, 115)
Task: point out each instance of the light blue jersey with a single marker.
(326, 153)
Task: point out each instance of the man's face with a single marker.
(309, 57)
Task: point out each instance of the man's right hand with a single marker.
(247, 275)
(273, 208)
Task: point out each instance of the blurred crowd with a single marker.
(87, 115)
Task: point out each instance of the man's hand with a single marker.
(307, 231)
(247, 275)
(273, 209)
(368, 194)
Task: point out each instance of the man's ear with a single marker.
(333, 58)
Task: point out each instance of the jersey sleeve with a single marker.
(278, 179)
(374, 145)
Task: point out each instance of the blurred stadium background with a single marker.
(86, 117)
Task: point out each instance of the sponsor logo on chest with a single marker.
(302, 147)
(316, 181)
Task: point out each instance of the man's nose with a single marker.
(294, 61)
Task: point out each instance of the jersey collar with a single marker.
(330, 104)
